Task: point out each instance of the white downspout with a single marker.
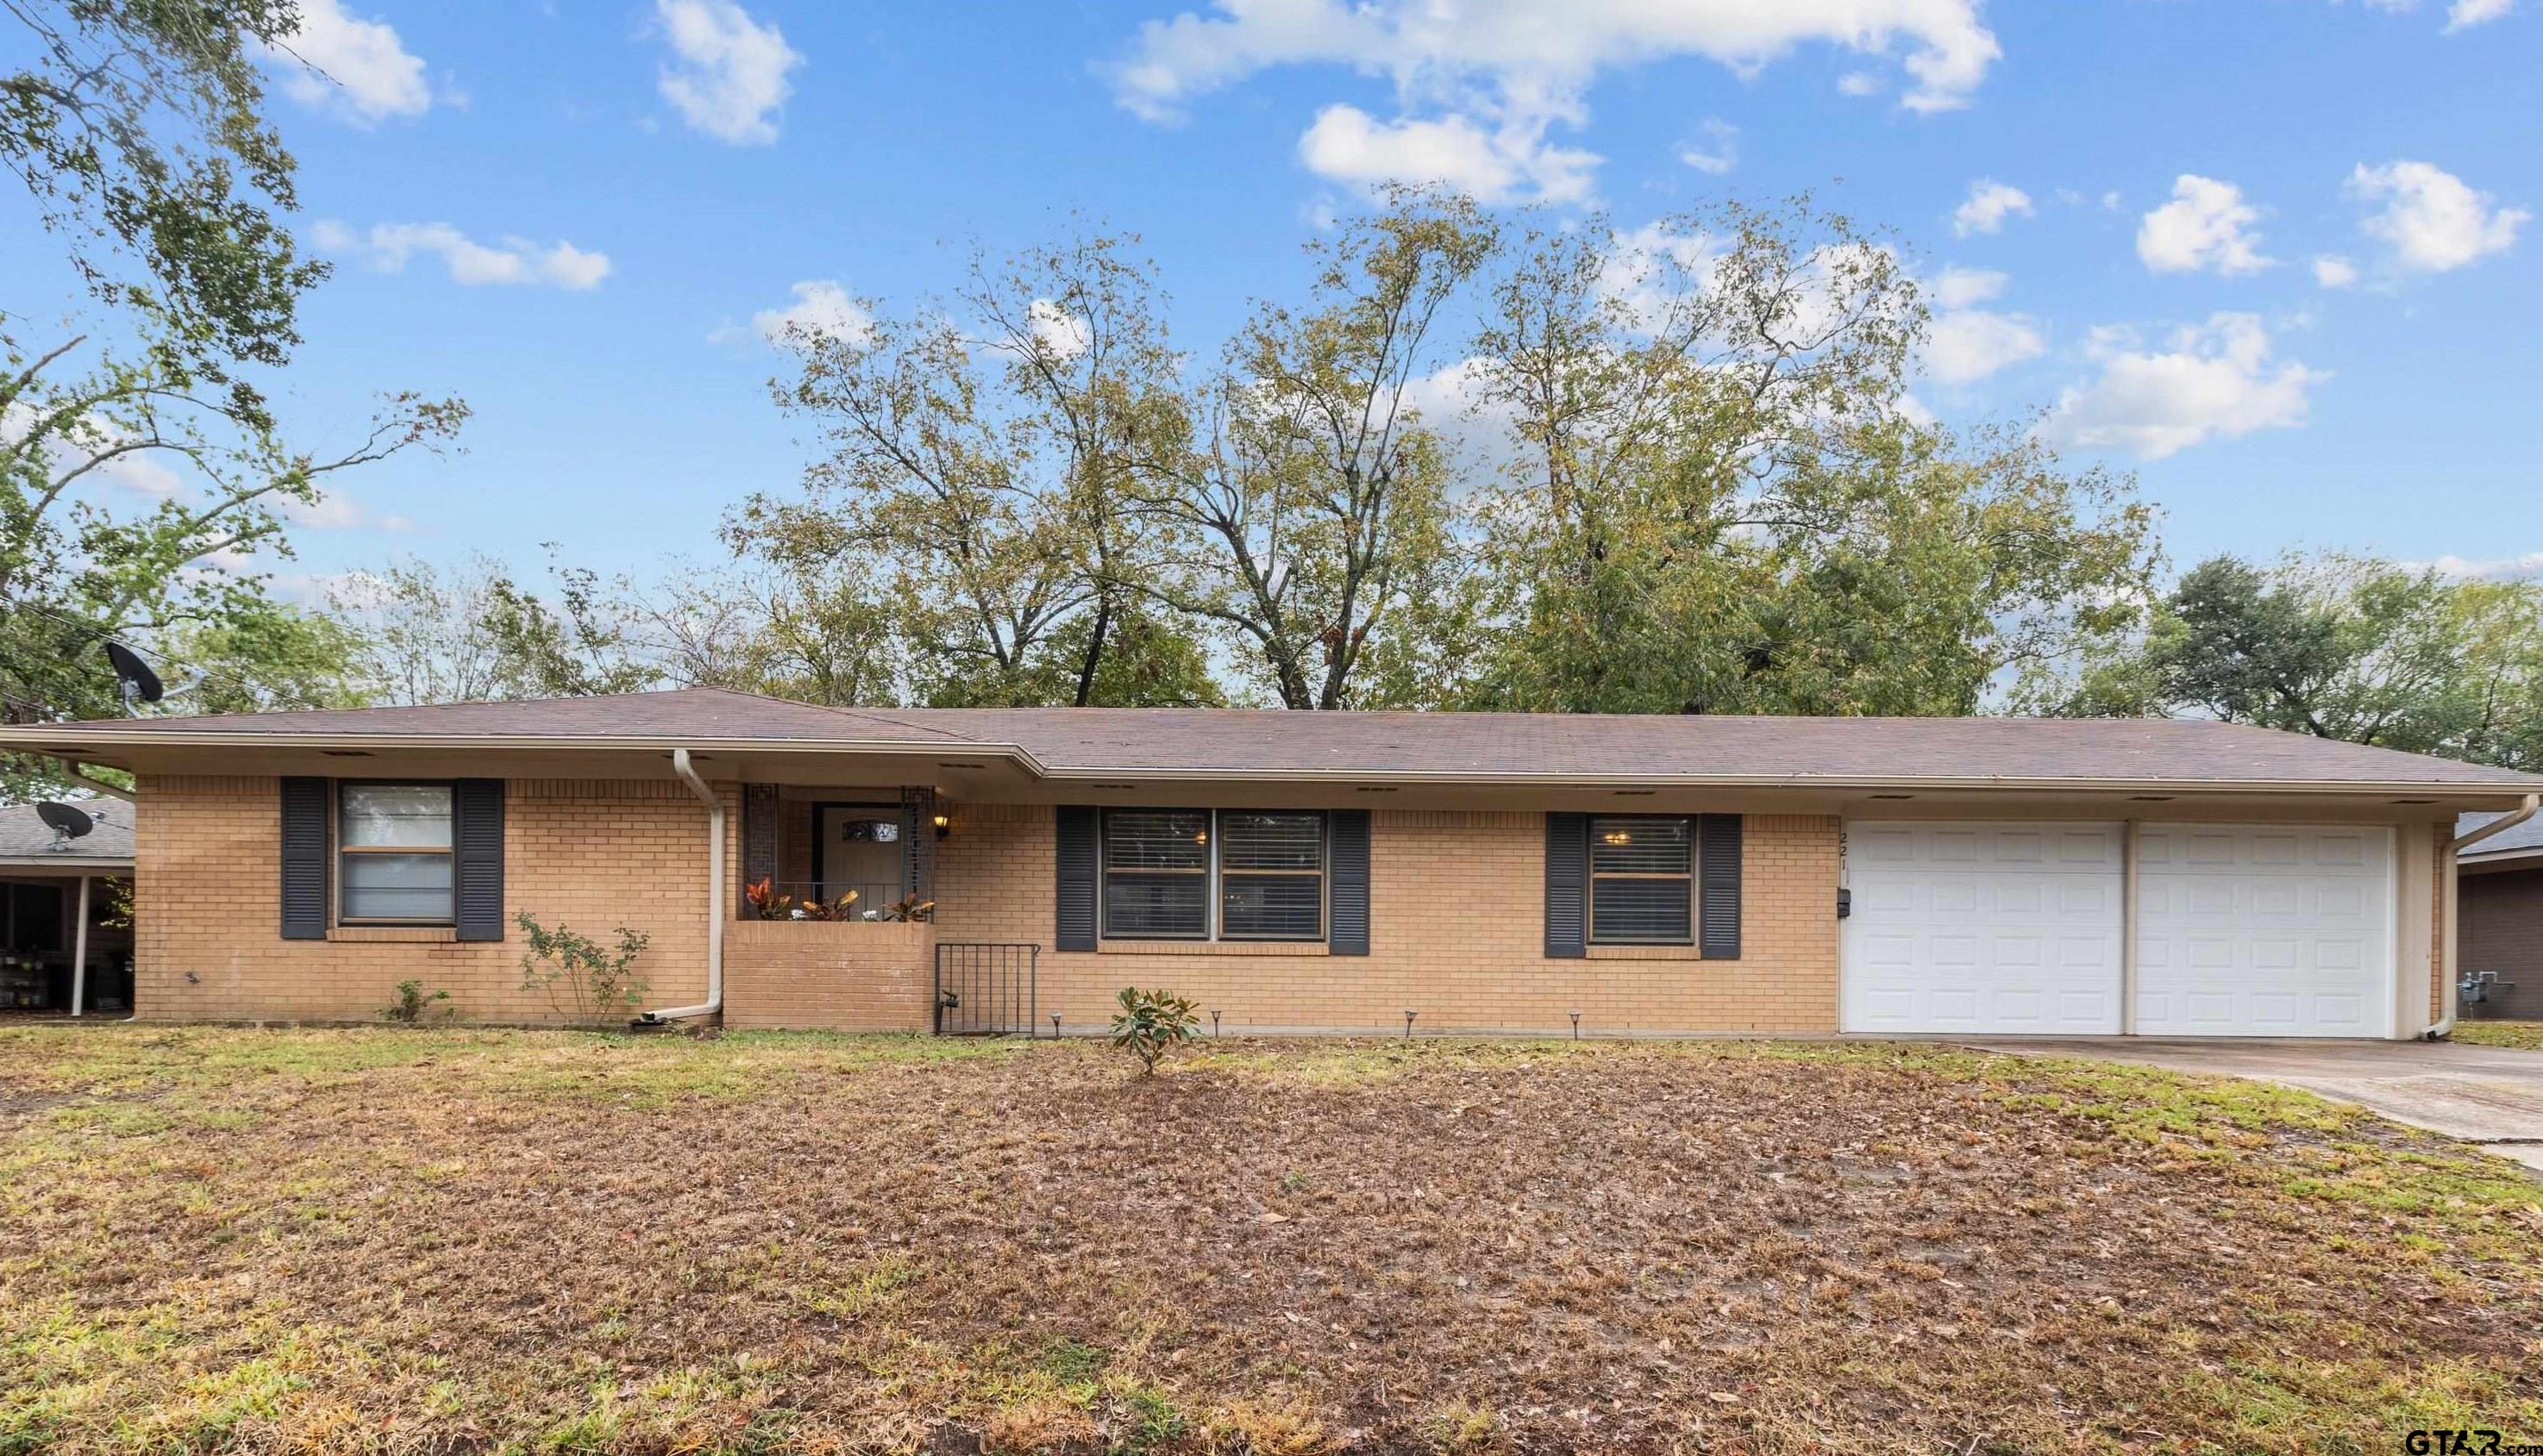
(2500, 825)
(715, 898)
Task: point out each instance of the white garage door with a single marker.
(2264, 931)
(2006, 928)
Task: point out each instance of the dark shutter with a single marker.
(477, 859)
(1718, 895)
(304, 859)
(1076, 858)
(1567, 886)
(1346, 875)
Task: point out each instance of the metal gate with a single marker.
(985, 989)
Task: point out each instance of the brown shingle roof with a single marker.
(1237, 742)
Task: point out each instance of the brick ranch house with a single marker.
(1300, 873)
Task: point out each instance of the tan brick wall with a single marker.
(591, 853)
(1457, 933)
(845, 977)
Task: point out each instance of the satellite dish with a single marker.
(66, 822)
(138, 683)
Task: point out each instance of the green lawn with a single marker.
(470, 1240)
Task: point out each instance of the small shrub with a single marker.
(411, 1005)
(587, 985)
(1150, 1022)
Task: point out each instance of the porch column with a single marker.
(760, 814)
(79, 952)
(918, 839)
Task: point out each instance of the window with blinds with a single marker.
(1197, 874)
(1642, 881)
(1270, 876)
(1156, 875)
(393, 854)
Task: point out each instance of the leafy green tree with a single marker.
(135, 504)
(2338, 647)
(1310, 501)
(137, 127)
(978, 451)
(1718, 499)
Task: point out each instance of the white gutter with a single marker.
(715, 898)
(2445, 1026)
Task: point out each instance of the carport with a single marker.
(65, 911)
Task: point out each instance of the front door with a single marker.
(860, 851)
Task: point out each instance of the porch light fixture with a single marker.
(944, 826)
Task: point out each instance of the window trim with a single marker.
(1591, 875)
(337, 849)
(1214, 907)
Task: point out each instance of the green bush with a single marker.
(587, 985)
(411, 1005)
(1151, 1022)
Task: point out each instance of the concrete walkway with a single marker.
(2491, 1096)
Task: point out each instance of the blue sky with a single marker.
(2274, 256)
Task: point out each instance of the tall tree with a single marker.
(138, 129)
(80, 563)
(979, 449)
(1718, 499)
(1312, 506)
(2339, 647)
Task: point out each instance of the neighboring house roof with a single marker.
(1079, 742)
(2525, 841)
(27, 842)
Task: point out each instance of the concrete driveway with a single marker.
(2486, 1095)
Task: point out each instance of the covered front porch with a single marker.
(834, 920)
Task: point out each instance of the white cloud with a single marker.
(1958, 288)
(1987, 206)
(2206, 225)
(1717, 153)
(338, 511)
(1858, 83)
(1062, 333)
(2218, 380)
(1508, 70)
(2490, 566)
(820, 306)
(728, 73)
(2331, 271)
(388, 246)
(1964, 345)
(2430, 219)
(2465, 13)
(1501, 164)
(358, 69)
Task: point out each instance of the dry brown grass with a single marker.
(2523, 1036)
(461, 1241)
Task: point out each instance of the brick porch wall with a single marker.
(592, 854)
(845, 977)
(1457, 933)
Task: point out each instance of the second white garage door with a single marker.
(2265, 931)
(2004, 928)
